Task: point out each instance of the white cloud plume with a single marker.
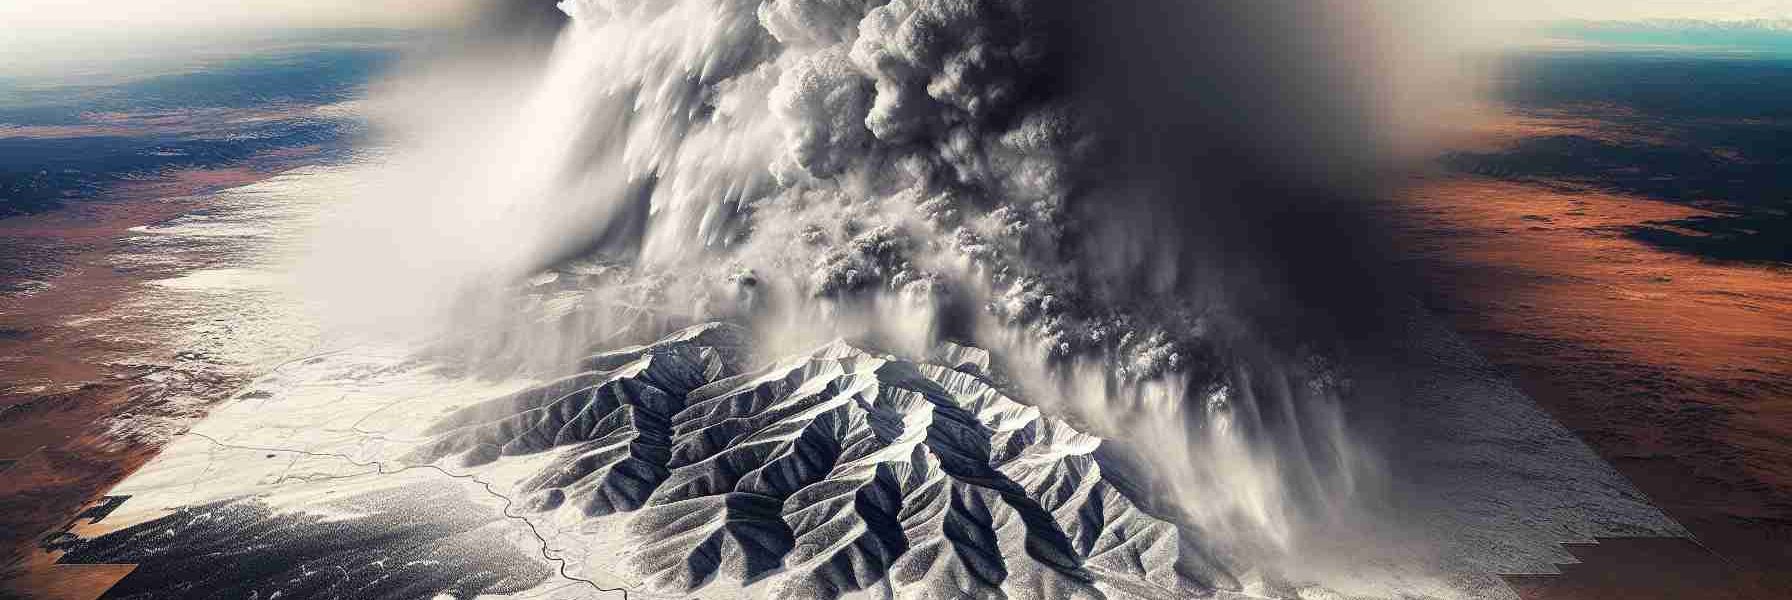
(1002, 170)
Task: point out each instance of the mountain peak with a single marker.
(832, 472)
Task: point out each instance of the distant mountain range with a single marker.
(1691, 24)
(1750, 35)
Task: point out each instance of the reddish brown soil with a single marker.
(1676, 369)
(62, 382)
(40, 579)
(1636, 569)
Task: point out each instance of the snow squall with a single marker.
(1023, 176)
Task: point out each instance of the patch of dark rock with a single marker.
(409, 543)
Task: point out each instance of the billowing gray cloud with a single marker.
(1145, 209)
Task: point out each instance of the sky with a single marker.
(35, 29)
(49, 36)
(104, 15)
(100, 15)
(1621, 10)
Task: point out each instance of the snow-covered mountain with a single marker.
(834, 472)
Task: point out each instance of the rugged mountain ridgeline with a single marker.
(831, 473)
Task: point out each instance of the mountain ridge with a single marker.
(832, 473)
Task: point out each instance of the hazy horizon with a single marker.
(46, 30)
(89, 16)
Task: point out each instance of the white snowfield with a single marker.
(673, 470)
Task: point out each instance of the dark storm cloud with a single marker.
(1152, 211)
(1242, 140)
